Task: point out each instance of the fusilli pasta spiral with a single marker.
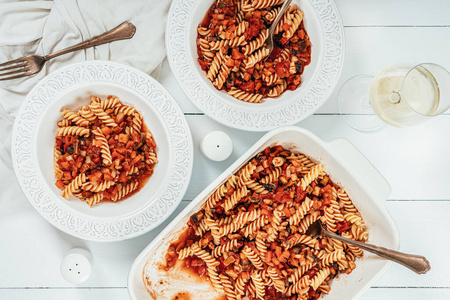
(102, 115)
(105, 152)
(73, 130)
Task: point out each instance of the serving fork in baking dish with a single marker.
(417, 263)
(32, 64)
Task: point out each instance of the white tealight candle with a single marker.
(217, 146)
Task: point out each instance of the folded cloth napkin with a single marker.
(43, 27)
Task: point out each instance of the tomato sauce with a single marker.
(130, 156)
(221, 18)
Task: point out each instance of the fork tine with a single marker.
(14, 77)
(13, 67)
(23, 74)
(12, 61)
(22, 70)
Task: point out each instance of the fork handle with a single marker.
(417, 263)
(280, 14)
(124, 31)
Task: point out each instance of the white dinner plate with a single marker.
(34, 136)
(324, 27)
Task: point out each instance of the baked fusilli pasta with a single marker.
(231, 46)
(103, 151)
(252, 242)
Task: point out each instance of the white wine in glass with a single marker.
(399, 95)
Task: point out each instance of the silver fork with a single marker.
(31, 64)
(417, 263)
(269, 40)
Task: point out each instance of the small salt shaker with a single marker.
(76, 265)
(216, 146)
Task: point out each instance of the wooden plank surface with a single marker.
(394, 13)
(65, 293)
(368, 50)
(404, 156)
(414, 160)
(122, 294)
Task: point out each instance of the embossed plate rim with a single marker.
(289, 113)
(47, 205)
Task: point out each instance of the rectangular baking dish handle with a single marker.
(369, 178)
(361, 168)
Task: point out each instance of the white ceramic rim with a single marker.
(253, 118)
(380, 187)
(80, 225)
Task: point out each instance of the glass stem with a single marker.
(395, 97)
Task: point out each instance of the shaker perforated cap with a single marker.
(76, 265)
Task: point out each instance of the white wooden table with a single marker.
(414, 160)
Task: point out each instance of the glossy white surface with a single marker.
(414, 160)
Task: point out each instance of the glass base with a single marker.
(354, 104)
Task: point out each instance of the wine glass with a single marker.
(399, 95)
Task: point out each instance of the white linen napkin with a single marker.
(43, 27)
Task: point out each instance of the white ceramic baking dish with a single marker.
(347, 167)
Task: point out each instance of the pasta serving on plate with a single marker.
(103, 151)
(250, 238)
(231, 45)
